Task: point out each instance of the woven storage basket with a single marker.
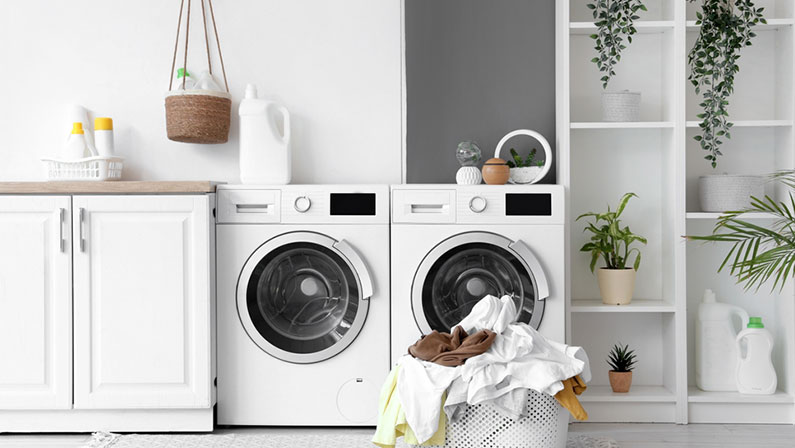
(621, 106)
(724, 192)
(482, 426)
(196, 116)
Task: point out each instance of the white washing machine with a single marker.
(303, 304)
(452, 245)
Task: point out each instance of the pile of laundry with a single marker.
(486, 359)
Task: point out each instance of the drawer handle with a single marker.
(82, 218)
(428, 208)
(61, 219)
(253, 208)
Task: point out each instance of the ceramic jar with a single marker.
(496, 171)
(616, 285)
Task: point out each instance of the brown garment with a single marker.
(567, 397)
(452, 349)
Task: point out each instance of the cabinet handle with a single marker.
(82, 237)
(61, 216)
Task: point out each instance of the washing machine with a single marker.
(303, 304)
(453, 244)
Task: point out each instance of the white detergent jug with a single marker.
(264, 151)
(716, 347)
(755, 373)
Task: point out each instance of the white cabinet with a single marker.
(142, 288)
(35, 303)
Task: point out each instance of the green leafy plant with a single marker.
(517, 161)
(614, 20)
(758, 253)
(621, 359)
(609, 240)
(726, 27)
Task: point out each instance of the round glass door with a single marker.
(301, 299)
(462, 270)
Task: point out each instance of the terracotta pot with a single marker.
(616, 285)
(620, 381)
(496, 171)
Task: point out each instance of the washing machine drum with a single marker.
(301, 297)
(463, 269)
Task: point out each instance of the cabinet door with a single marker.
(35, 303)
(142, 302)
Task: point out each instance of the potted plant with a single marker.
(614, 21)
(759, 253)
(621, 361)
(527, 170)
(611, 242)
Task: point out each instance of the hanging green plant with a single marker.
(614, 20)
(726, 28)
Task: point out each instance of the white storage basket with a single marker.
(725, 192)
(90, 168)
(621, 106)
(482, 426)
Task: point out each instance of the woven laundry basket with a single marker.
(482, 426)
(197, 115)
(725, 192)
(621, 106)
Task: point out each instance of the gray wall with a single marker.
(476, 70)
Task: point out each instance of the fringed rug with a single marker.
(282, 440)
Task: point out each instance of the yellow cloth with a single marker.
(392, 419)
(567, 397)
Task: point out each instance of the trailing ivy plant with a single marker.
(614, 20)
(726, 27)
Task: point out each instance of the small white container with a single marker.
(468, 175)
(755, 373)
(525, 175)
(620, 106)
(265, 156)
(725, 192)
(76, 147)
(103, 136)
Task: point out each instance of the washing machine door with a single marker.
(303, 297)
(462, 269)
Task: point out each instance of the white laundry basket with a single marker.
(482, 426)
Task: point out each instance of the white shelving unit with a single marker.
(658, 159)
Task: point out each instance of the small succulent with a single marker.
(621, 359)
(517, 161)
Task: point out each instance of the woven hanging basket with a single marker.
(198, 116)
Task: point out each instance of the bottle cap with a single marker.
(103, 124)
(77, 128)
(709, 296)
(755, 322)
(181, 73)
(251, 91)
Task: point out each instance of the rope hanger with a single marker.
(206, 42)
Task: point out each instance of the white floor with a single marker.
(627, 435)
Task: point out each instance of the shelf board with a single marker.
(714, 216)
(648, 394)
(772, 24)
(622, 124)
(696, 395)
(751, 123)
(636, 306)
(643, 27)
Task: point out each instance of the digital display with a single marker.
(528, 204)
(353, 204)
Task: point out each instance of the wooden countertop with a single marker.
(117, 187)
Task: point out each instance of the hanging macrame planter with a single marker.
(197, 115)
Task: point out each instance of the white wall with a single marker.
(335, 64)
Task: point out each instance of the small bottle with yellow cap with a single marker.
(75, 148)
(103, 136)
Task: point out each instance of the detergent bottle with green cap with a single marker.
(755, 372)
(183, 75)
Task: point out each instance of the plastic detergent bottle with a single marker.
(755, 373)
(264, 149)
(103, 136)
(716, 347)
(76, 147)
(189, 82)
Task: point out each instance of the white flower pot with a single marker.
(616, 285)
(525, 175)
(468, 175)
(725, 192)
(621, 106)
